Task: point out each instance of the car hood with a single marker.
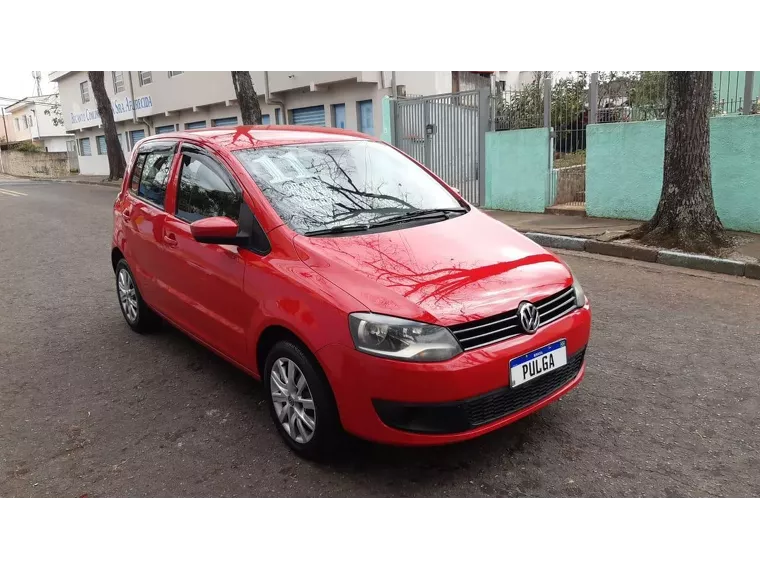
(447, 272)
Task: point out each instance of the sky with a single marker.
(18, 84)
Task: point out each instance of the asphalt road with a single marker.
(669, 407)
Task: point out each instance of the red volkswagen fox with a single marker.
(368, 296)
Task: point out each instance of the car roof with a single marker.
(243, 137)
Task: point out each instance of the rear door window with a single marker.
(152, 176)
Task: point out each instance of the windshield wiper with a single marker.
(348, 228)
(409, 215)
(417, 213)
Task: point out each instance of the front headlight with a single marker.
(397, 338)
(580, 296)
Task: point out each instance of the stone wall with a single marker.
(35, 164)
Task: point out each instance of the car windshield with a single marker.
(316, 186)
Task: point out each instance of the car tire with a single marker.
(138, 315)
(290, 408)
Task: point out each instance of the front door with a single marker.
(205, 281)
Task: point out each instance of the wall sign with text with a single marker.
(120, 107)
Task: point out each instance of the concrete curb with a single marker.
(663, 257)
(701, 262)
(558, 241)
(87, 182)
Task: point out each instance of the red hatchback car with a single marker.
(366, 293)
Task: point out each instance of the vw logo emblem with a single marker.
(529, 317)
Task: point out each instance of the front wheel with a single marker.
(301, 402)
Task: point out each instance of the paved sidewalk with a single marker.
(74, 178)
(598, 228)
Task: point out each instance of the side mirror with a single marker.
(220, 230)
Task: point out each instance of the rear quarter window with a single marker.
(134, 183)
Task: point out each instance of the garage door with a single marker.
(314, 116)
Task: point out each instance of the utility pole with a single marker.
(5, 126)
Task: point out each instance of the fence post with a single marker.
(749, 77)
(547, 102)
(593, 98)
(484, 103)
(425, 122)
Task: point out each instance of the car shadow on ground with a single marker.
(375, 469)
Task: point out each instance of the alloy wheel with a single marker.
(293, 402)
(128, 296)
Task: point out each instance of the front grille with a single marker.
(509, 400)
(461, 416)
(479, 333)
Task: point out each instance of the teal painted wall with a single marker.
(624, 170)
(735, 163)
(517, 169)
(385, 136)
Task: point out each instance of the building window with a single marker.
(229, 121)
(277, 118)
(26, 122)
(146, 77)
(313, 116)
(135, 136)
(84, 89)
(339, 116)
(18, 128)
(163, 129)
(176, 69)
(31, 122)
(265, 119)
(84, 147)
(118, 81)
(100, 141)
(366, 120)
(195, 125)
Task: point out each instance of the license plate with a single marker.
(537, 363)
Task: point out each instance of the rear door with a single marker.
(145, 215)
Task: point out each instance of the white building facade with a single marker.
(151, 102)
(32, 120)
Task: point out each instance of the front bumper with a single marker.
(408, 403)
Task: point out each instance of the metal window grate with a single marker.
(500, 327)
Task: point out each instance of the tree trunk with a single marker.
(246, 97)
(116, 162)
(686, 218)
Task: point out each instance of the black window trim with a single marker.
(255, 225)
(143, 150)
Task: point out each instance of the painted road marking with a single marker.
(11, 193)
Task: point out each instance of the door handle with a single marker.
(126, 214)
(170, 239)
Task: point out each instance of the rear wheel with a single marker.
(301, 402)
(138, 315)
